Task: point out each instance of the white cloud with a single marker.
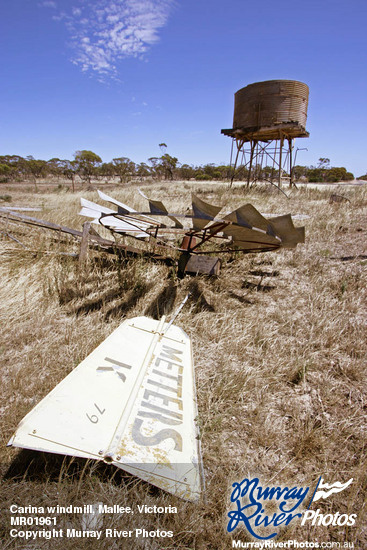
(105, 31)
(48, 4)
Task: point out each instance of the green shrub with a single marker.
(203, 177)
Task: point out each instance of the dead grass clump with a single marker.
(112, 288)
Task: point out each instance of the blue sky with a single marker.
(118, 77)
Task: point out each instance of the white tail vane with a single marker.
(131, 403)
(324, 490)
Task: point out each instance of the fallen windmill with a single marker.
(199, 234)
(195, 240)
(130, 403)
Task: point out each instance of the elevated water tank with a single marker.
(270, 103)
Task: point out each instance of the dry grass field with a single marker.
(279, 343)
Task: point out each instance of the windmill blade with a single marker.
(280, 227)
(251, 235)
(248, 216)
(284, 228)
(158, 208)
(114, 223)
(89, 213)
(203, 212)
(131, 403)
(136, 227)
(121, 226)
(124, 208)
(96, 208)
(251, 246)
(111, 222)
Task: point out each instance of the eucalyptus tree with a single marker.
(142, 170)
(68, 169)
(36, 168)
(86, 163)
(124, 168)
(5, 172)
(106, 171)
(165, 165)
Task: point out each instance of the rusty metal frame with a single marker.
(258, 150)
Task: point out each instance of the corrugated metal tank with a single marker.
(272, 102)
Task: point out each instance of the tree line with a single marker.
(87, 165)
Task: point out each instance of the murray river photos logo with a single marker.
(250, 501)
